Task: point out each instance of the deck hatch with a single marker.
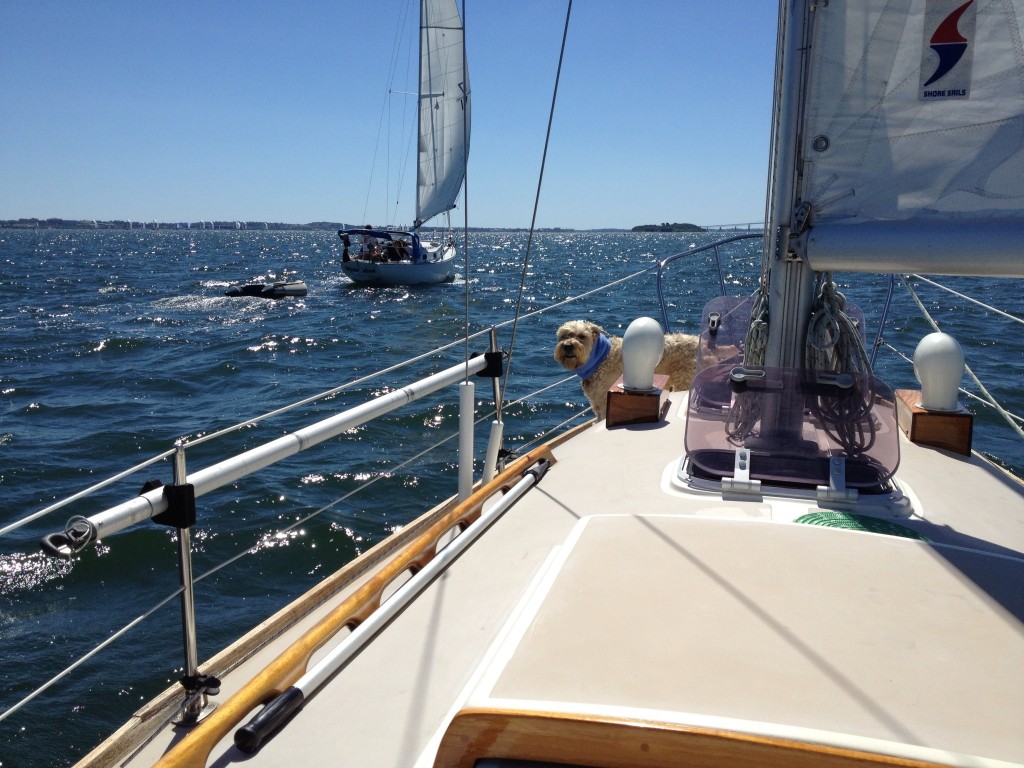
(849, 417)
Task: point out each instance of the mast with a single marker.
(791, 279)
(419, 114)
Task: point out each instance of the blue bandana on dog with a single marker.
(601, 349)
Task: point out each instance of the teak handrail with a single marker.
(194, 749)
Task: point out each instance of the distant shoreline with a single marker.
(259, 226)
(57, 223)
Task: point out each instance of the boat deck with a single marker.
(643, 604)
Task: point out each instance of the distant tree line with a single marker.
(58, 223)
(666, 227)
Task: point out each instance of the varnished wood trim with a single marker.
(158, 711)
(194, 749)
(600, 742)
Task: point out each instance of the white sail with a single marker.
(443, 108)
(912, 138)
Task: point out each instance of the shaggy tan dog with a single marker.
(579, 340)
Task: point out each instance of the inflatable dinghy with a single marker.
(278, 290)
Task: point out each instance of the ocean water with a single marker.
(116, 343)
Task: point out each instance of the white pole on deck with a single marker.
(493, 446)
(467, 416)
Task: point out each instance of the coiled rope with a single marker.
(833, 341)
(746, 409)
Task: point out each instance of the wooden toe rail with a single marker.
(193, 750)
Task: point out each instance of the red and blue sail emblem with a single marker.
(948, 36)
(949, 43)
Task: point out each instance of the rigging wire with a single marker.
(536, 202)
(187, 443)
(965, 392)
(76, 664)
(965, 297)
(465, 203)
(755, 345)
(258, 546)
(385, 110)
(1007, 417)
(406, 130)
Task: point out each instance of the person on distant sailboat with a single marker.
(369, 245)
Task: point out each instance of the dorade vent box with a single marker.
(625, 407)
(951, 430)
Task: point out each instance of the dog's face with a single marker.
(574, 342)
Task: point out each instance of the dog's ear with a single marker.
(594, 329)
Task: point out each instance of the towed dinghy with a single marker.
(276, 290)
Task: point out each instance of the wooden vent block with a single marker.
(635, 407)
(951, 430)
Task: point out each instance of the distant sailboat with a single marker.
(399, 257)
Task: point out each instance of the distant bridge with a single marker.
(753, 226)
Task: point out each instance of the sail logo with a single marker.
(947, 54)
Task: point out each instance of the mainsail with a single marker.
(912, 137)
(443, 109)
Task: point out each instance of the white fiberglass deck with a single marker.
(606, 592)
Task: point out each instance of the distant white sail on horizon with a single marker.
(443, 109)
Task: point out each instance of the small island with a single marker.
(667, 228)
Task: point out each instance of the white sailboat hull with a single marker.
(439, 270)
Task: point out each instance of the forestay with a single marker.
(913, 136)
(443, 109)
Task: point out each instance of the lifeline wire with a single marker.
(983, 305)
(86, 492)
(257, 547)
(1013, 417)
(311, 399)
(61, 675)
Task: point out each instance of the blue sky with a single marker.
(270, 111)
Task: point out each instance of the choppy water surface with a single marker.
(116, 343)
